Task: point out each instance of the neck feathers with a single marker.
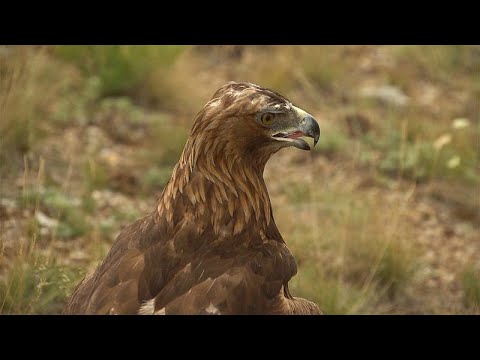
(213, 186)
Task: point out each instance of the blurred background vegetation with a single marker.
(383, 217)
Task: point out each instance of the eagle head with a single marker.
(244, 118)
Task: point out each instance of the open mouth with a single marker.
(294, 138)
(294, 135)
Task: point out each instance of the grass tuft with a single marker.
(470, 282)
(37, 286)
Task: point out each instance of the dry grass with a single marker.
(352, 250)
(31, 86)
(33, 278)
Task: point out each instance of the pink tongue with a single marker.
(296, 135)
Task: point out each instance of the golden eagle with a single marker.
(211, 246)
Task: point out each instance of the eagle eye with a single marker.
(267, 118)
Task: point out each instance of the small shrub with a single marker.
(68, 211)
(73, 223)
(120, 68)
(37, 286)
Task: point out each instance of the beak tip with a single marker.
(313, 129)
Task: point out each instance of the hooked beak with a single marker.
(304, 124)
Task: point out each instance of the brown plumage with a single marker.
(211, 245)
